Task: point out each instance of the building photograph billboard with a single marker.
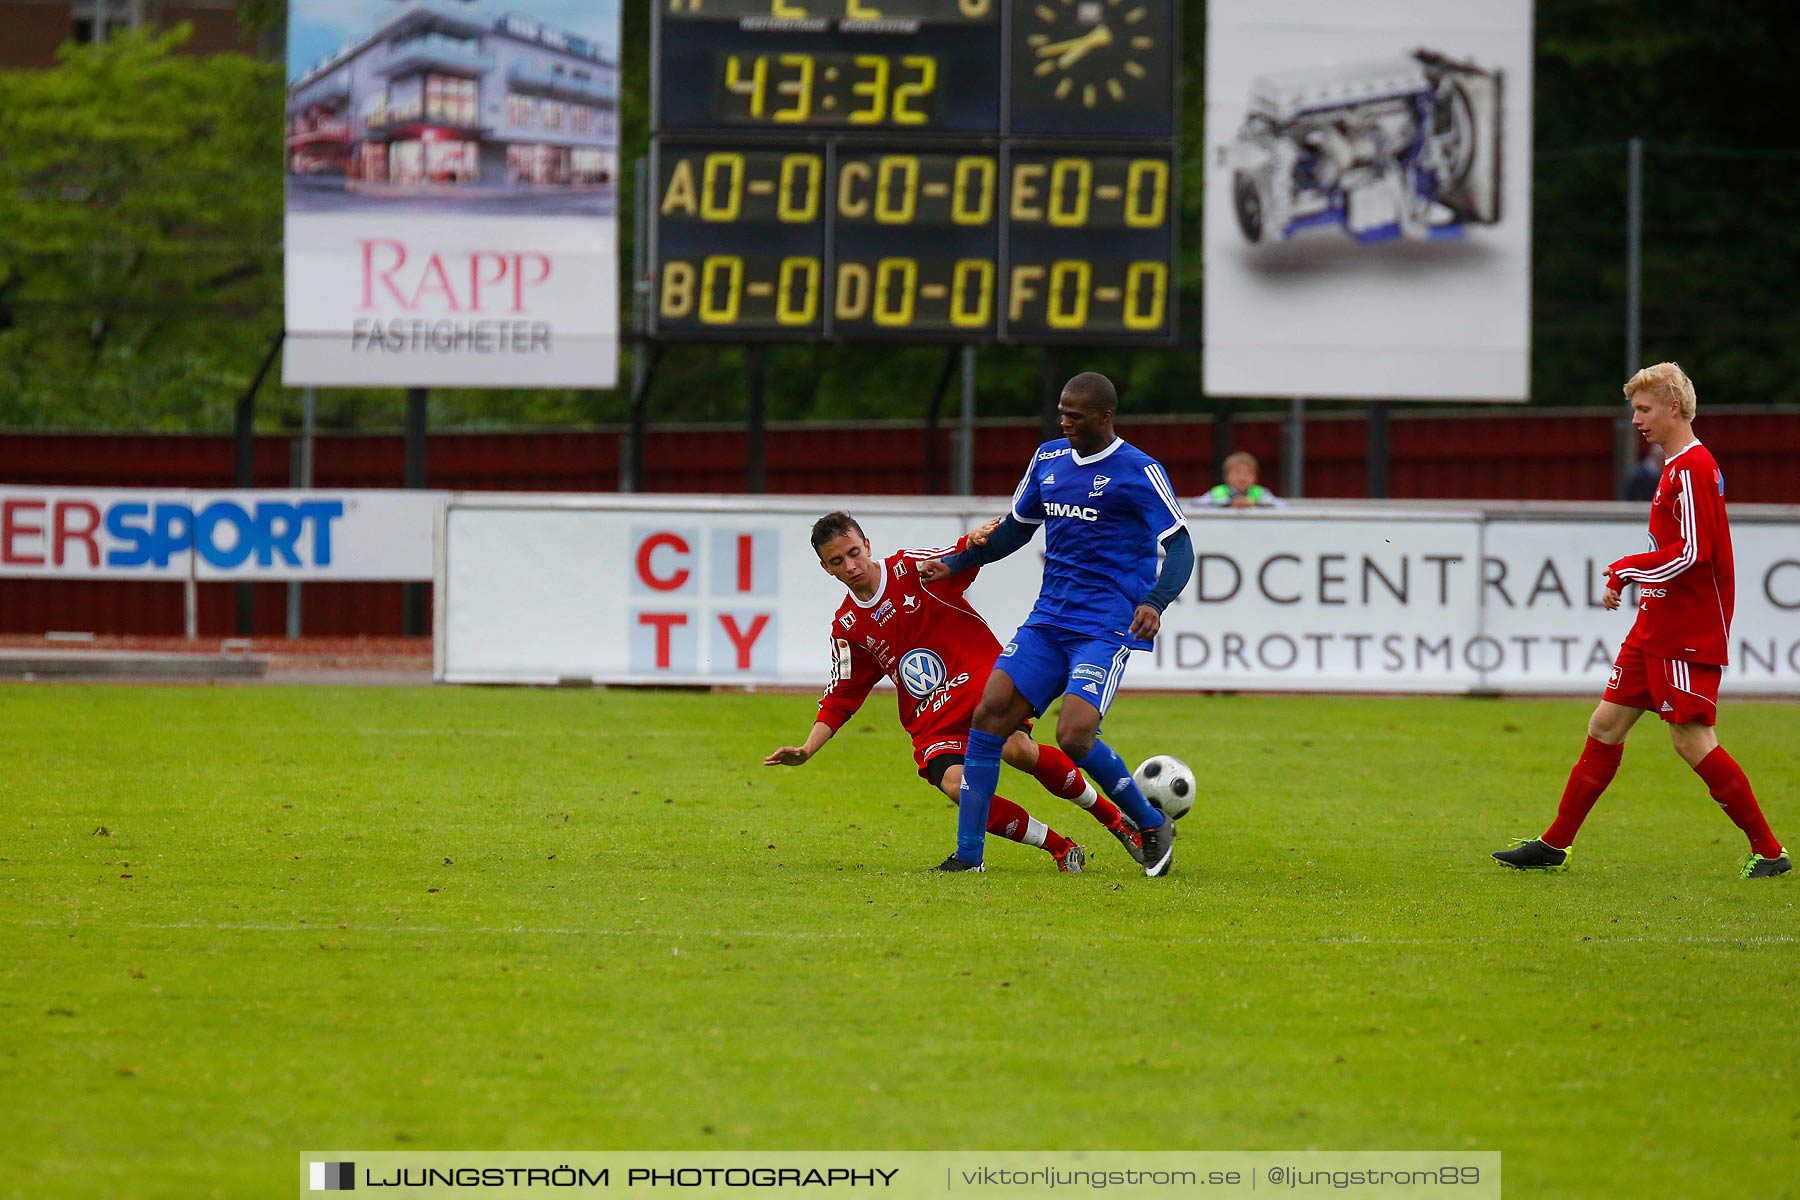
(1367, 222)
(452, 193)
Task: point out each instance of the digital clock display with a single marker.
(846, 169)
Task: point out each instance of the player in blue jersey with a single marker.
(1105, 506)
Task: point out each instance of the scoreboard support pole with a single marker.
(1293, 449)
(964, 440)
(934, 460)
(646, 356)
(1049, 423)
(756, 364)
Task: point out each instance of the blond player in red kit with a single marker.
(1674, 655)
(938, 651)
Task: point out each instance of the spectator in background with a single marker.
(1240, 489)
(1642, 484)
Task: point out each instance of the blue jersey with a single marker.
(1103, 518)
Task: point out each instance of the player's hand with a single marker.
(787, 756)
(932, 570)
(1610, 598)
(1145, 622)
(979, 535)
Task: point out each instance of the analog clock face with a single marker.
(1095, 56)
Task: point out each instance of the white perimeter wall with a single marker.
(676, 590)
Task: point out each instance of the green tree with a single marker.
(140, 192)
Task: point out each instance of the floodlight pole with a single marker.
(1293, 449)
(1625, 442)
(244, 432)
(965, 432)
(1379, 450)
(300, 473)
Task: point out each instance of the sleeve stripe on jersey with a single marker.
(1160, 482)
(1020, 491)
(1684, 514)
(924, 553)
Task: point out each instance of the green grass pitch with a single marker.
(243, 922)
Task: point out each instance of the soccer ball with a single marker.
(1168, 784)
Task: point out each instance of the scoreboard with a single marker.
(914, 170)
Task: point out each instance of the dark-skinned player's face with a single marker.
(1086, 422)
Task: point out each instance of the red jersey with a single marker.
(1686, 584)
(926, 638)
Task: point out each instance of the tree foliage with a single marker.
(141, 197)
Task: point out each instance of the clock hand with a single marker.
(1068, 53)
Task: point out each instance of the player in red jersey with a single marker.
(1674, 655)
(938, 651)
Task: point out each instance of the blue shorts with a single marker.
(1045, 662)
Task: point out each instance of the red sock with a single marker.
(1595, 769)
(1059, 774)
(1061, 777)
(1731, 789)
(1008, 820)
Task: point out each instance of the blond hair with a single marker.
(1665, 381)
(1241, 456)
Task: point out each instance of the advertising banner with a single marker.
(452, 193)
(1368, 199)
(97, 533)
(702, 591)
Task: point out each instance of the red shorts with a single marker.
(1681, 693)
(944, 741)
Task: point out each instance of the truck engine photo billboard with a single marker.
(1368, 224)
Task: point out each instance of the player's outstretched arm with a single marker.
(1177, 568)
(798, 756)
(1010, 535)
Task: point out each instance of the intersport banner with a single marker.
(178, 534)
(452, 193)
(666, 590)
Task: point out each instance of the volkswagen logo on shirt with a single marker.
(922, 672)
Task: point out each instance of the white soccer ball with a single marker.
(1167, 783)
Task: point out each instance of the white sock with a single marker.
(1034, 832)
(1087, 797)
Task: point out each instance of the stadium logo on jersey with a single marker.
(922, 672)
(1100, 482)
(909, 602)
(1056, 508)
(1047, 455)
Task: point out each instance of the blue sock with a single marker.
(981, 775)
(1109, 772)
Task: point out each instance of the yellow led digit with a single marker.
(888, 314)
(804, 170)
(852, 291)
(1146, 211)
(806, 270)
(975, 174)
(784, 9)
(677, 289)
(855, 10)
(752, 87)
(1068, 274)
(731, 166)
(976, 274)
(974, 9)
(715, 269)
(800, 88)
(874, 89)
(1146, 316)
(1064, 172)
(906, 93)
(904, 169)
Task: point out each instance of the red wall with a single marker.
(1485, 454)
